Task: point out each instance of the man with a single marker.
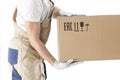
(27, 50)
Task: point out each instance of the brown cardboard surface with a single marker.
(89, 37)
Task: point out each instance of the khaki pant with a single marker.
(26, 62)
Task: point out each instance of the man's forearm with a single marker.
(42, 50)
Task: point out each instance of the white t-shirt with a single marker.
(32, 10)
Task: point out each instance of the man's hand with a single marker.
(64, 13)
(59, 12)
(65, 64)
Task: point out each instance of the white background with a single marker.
(90, 70)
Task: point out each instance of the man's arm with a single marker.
(33, 30)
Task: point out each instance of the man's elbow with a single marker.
(33, 41)
(55, 13)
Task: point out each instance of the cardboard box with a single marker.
(89, 37)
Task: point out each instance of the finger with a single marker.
(76, 63)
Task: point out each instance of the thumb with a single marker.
(69, 61)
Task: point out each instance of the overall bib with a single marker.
(26, 63)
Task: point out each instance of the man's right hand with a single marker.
(65, 64)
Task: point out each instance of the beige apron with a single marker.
(26, 62)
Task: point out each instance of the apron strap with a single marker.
(45, 72)
(51, 2)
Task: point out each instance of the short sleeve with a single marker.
(31, 10)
